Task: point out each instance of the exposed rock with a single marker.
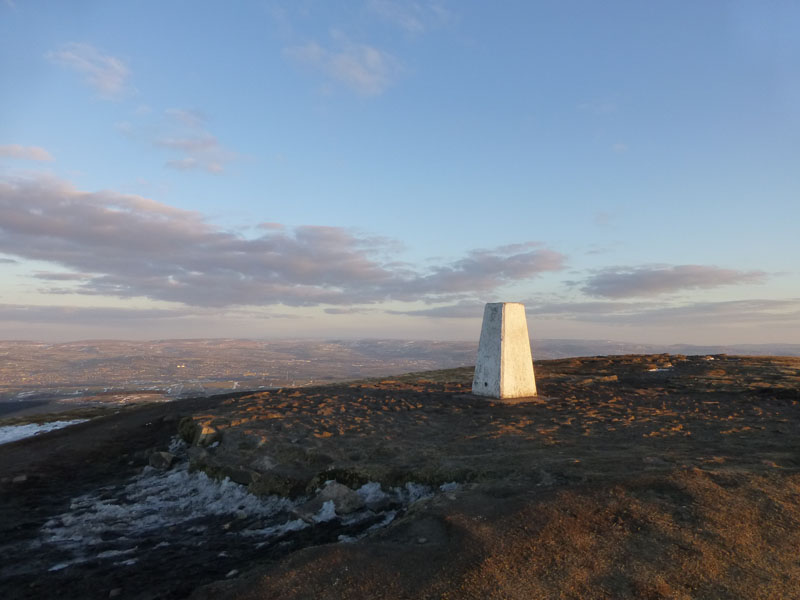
(208, 435)
(198, 458)
(344, 500)
(279, 482)
(161, 460)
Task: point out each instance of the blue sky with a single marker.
(380, 168)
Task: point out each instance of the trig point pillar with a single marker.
(505, 367)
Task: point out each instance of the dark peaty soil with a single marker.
(629, 477)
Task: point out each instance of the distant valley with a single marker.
(123, 372)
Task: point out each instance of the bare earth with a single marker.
(629, 477)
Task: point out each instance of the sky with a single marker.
(383, 168)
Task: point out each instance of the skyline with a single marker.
(383, 169)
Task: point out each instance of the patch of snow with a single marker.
(177, 446)
(152, 501)
(326, 513)
(371, 493)
(124, 522)
(12, 433)
(654, 370)
(449, 487)
(114, 553)
(127, 563)
(413, 492)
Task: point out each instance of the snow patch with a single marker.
(159, 509)
(12, 433)
(152, 501)
(326, 513)
(371, 493)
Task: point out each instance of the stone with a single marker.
(345, 501)
(161, 460)
(282, 481)
(504, 368)
(208, 436)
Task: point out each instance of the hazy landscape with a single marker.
(36, 377)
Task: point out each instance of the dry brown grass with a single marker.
(618, 482)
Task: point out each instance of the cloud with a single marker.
(489, 269)
(129, 246)
(461, 310)
(360, 67)
(61, 276)
(656, 280)
(414, 17)
(569, 310)
(348, 311)
(717, 313)
(639, 314)
(194, 146)
(83, 314)
(105, 73)
(692, 314)
(25, 152)
(7, 261)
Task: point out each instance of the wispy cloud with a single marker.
(460, 310)
(638, 314)
(414, 17)
(107, 74)
(683, 315)
(25, 152)
(84, 315)
(627, 282)
(184, 134)
(128, 246)
(348, 311)
(195, 148)
(364, 69)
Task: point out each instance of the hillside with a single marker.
(659, 476)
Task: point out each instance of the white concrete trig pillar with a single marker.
(504, 368)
